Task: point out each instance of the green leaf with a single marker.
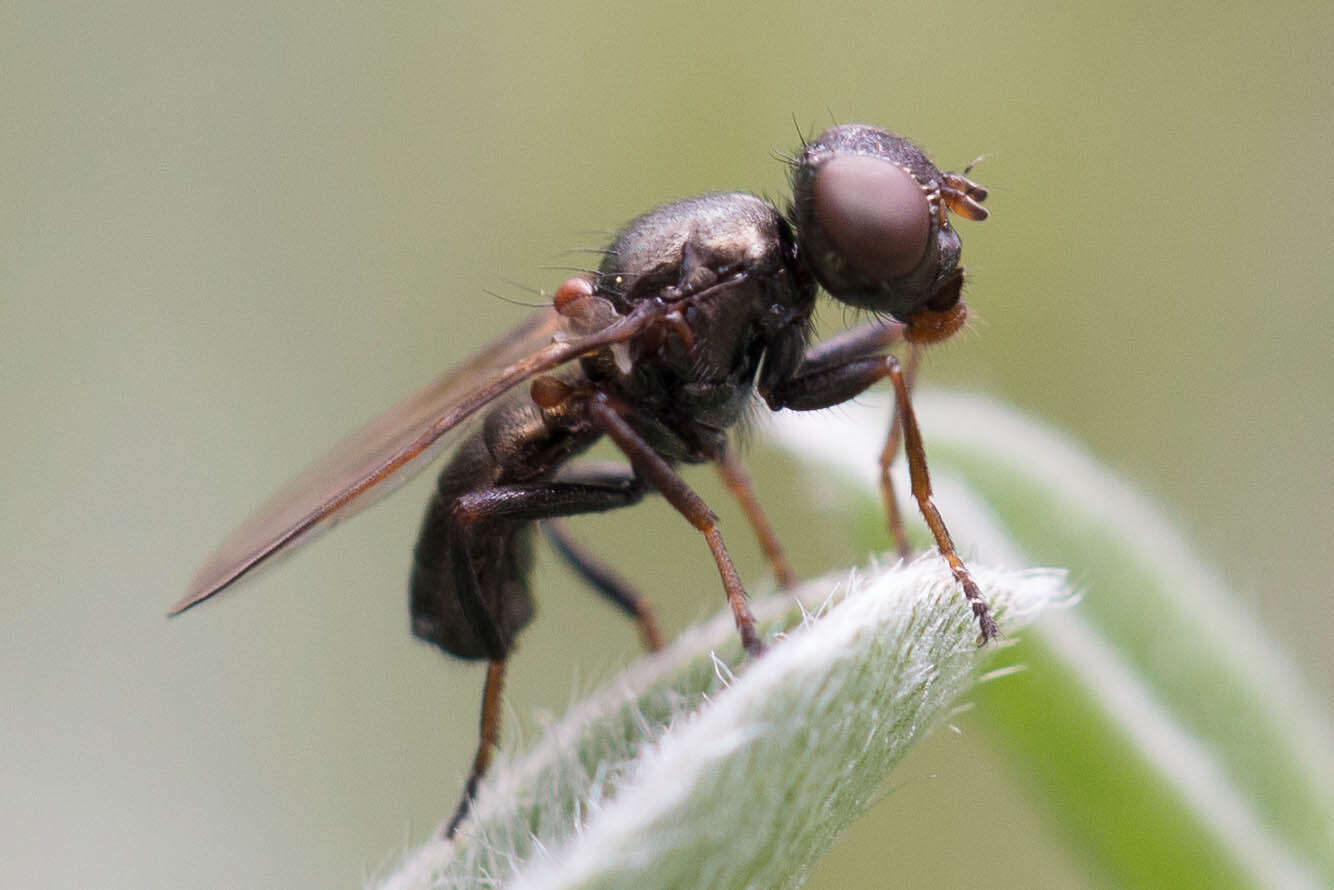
(680, 773)
(1171, 741)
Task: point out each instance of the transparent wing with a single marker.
(396, 445)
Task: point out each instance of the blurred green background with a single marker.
(230, 232)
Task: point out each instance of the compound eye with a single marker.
(874, 214)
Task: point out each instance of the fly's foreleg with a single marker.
(834, 383)
(737, 480)
(893, 516)
(868, 339)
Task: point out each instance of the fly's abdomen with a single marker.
(499, 552)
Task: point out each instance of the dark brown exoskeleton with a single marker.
(698, 306)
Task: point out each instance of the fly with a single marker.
(698, 308)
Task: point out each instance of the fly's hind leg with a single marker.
(488, 739)
(498, 512)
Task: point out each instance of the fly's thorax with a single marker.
(683, 248)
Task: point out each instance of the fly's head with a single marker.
(872, 219)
